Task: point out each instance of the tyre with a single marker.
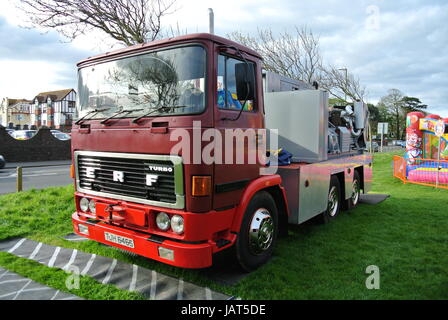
(258, 232)
(353, 201)
(2, 162)
(334, 201)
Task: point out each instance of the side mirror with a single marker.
(245, 81)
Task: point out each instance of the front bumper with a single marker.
(186, 255)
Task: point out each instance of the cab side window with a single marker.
(227, 85)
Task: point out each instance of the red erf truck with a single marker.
(132, 191)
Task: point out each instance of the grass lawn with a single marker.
(406, 237)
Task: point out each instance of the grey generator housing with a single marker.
(301, 118)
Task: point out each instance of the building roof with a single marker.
(53, 95)
(15, 101)
(12, 102)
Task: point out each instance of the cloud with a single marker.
(399, 44)
(389, 44)
(32, 62)
(29, 44)
(25, 79)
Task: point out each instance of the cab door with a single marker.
(238, 119)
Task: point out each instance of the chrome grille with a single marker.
(166, 192)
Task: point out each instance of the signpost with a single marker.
(439, 130)
(383, 128)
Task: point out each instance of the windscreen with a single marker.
(166, 82)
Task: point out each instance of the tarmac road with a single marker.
(46, 175)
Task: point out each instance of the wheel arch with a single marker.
(341, 179)
(272, 185)
(360, 171)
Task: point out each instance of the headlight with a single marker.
(177, 224)
(163, 221)
(92, 206)
(84, 204)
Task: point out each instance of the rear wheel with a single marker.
(258, 232)
(356, 193)
(334, 201)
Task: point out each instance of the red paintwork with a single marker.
(250, 191)
(185, 255)
(198, 227)
(196, 37)
(207, 219)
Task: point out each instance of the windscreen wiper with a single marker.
(136, 120)
(118, 113)
(95, 111)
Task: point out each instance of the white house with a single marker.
(54, 109)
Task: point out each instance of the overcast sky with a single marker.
(399, 44)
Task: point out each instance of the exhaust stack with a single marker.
(211, 23)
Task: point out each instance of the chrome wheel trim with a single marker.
(333, 202)
(261, 231)
(356, 192)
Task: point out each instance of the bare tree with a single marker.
(127, 21)
(295, 55)
(343, 86)
(394, 105)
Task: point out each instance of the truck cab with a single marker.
(169, 150)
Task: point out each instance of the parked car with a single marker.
(403, 144)
(375, 146)
(24, 134)
(61, 136)
(2, 162)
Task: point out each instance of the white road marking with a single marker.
(88, 265)
(12, 281)
(72, 259)
(152, 295)
(180, 290)
(208, 294)
(8, 294)
(41, 174)
(18, 244)
(53, 258)
(20, 291)
(109, 272)
(11, 175)
(36, 250)
(54, 297)
(32, 175)
(134, 278)
(37, 289)
(4, 274)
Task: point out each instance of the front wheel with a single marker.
(258, 232)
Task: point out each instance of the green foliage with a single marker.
(393, 108)
(405, 236)
(412, 104)
(337, 102)
(56, 278)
